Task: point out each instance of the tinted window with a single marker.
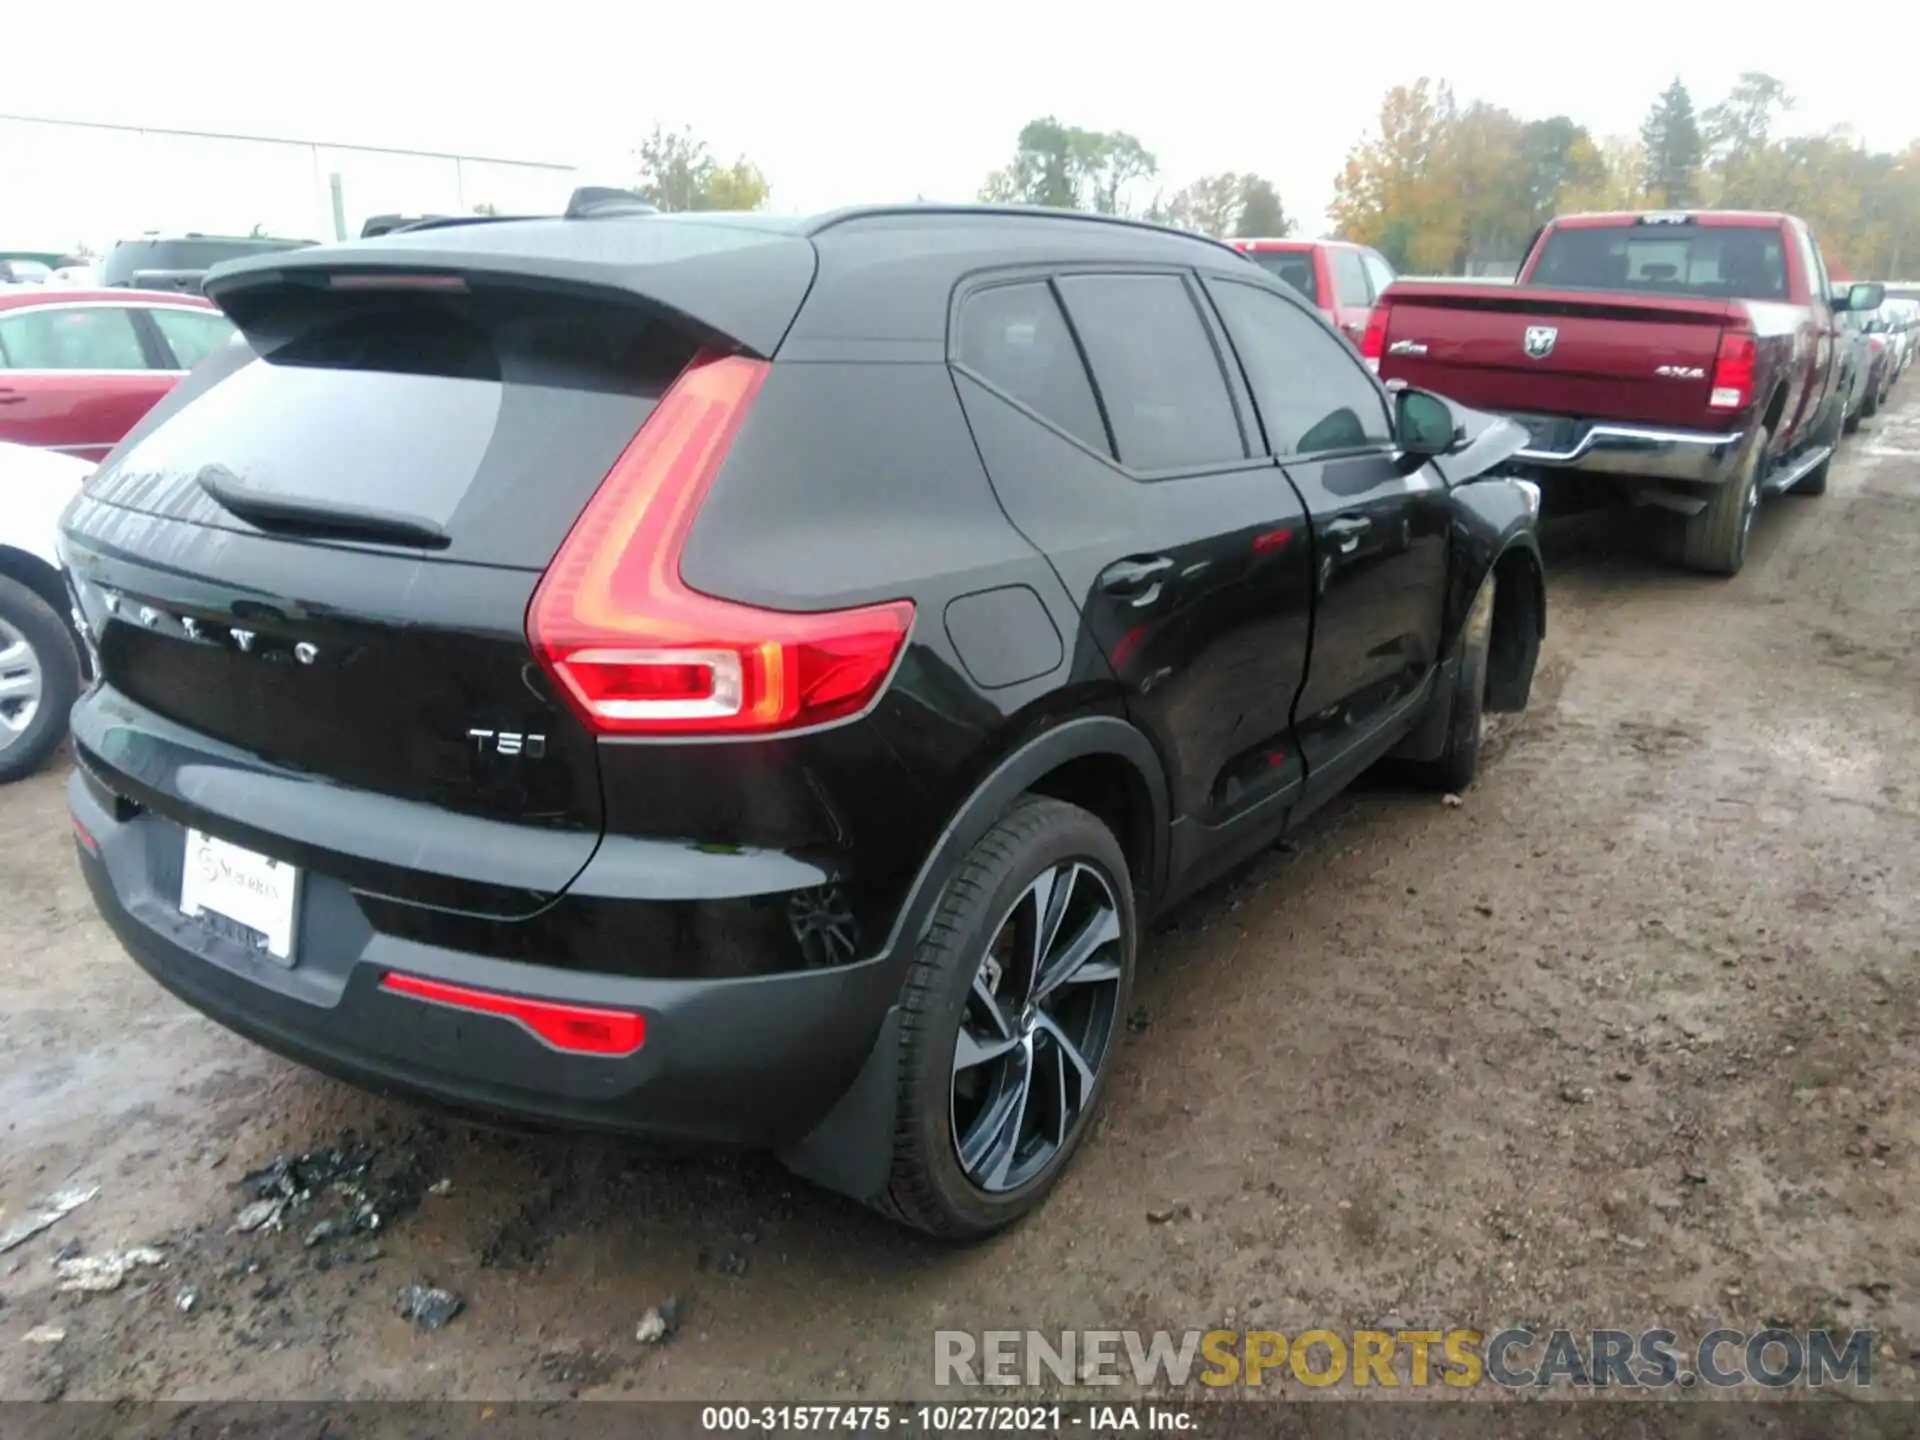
(1350, 277)
(1014, 337)
(1293, 266)
(1715, 261)
(492, 418)
(193, 335)
(54, 337)
(1378, 271)
(1312, 392)
(1166, 395)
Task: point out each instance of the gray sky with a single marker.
(846, 100)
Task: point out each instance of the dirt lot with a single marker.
(1628, 1038)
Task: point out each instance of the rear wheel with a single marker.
(1010, 1020)
(1715, 540)
(39, 680)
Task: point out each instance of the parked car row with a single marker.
(1688, 363)
(754, 682)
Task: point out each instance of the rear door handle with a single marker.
(1135, 577)
(12, 397)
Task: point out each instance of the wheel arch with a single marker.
(37, 575)
(850, 1149)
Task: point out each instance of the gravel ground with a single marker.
(1628, 1038)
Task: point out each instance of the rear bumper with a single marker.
(752, 1061)
(1643, 452)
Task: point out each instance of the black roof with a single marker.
(872, 274)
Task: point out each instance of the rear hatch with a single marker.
(318, 555)
(1528, 351)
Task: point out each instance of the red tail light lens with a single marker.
(1373, 343)
(581, 1029)
(1733, 371)
(636, 652)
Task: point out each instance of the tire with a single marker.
(1852, 427)
(1715, 541)
(1814, 482)
(1456, 767)
(1872, 407)
(39, 680)
(942, 1106)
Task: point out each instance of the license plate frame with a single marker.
(252, 893)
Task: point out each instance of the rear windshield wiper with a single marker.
(317, 518)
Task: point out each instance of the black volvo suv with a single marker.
(748, 680)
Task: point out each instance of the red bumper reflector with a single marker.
(85, 837)
(578, 1029)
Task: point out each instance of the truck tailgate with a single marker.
(1559, 352)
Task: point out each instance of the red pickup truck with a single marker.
(1688, 360)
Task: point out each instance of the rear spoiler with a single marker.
(735, 286)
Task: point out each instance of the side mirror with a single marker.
(1423, 423)
(1861, 298)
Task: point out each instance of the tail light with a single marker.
(1373, 343)
(1733, 371)
(580, 1029)
(636, 652)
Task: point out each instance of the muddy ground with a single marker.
(1627, 1038)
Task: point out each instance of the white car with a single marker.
(40, 665)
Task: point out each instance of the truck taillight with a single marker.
(1733, 371)
(1373, 343)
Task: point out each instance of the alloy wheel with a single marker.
(1038, 1027)
(21, 685)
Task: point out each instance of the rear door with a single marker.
(76, 376)
(1380, 530)
(1145, 487)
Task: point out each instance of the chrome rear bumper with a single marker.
(1646, 452)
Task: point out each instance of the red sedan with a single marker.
(78, 368)
(1342, 280)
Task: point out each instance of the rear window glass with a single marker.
(1716, 262)
(1350, 277)
(1293, 266)
(493, 420)
(1014, 337)
(1157, 370)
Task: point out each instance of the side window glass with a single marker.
(1349, 276)
(192, 335)
(1313, 394)
(1378, 271)
(1157, 370)
(80, 337)
(1014, 337)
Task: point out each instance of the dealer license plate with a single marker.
(241, 894)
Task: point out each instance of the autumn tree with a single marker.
(1224, 204)
(1739, 133)
(1483, 154)
(1260, 210)
(1069, 168)
(1395, 192)
(1609, 177)
(678, 172)
(1558, 158)
(1671, 149)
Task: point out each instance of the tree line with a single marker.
(1444, 187)
(1441, 186)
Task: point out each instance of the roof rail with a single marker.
(852, 213)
